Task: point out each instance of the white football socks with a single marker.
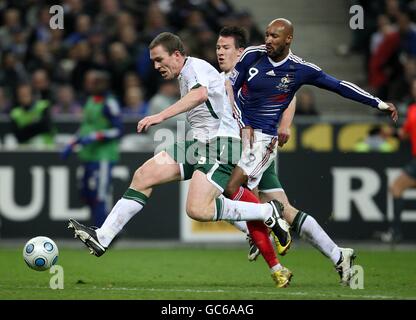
(240, 225)
(121, 213)
(275, 268)
(312, 232)
(230, 210)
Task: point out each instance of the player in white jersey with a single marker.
(209, 158)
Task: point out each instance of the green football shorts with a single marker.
(216, 159)
(270, 181)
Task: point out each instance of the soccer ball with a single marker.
(40, 253)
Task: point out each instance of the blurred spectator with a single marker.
(387, 64)
(55, 45)
(246, 21)
(41, 57)
(155, 23)
(179, 11)
(31, 121)
(41, 30)
(376, 141)
(72, 9)
(393, 9)
(4, 102)
(66, 104)
(82, 28)
(107, 16)
(128, 37)
(305, 103)
(124, 20)
(19, 44)
(198, 43)
(216, 11)
(167, 95)
(120, 64)
(12, 71)
(131, 79)
(81, 54)
(11, 21)
(134, 105)
(42, 88)
(385, 27)
(407, 35)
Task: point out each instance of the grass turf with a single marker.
(204, 274)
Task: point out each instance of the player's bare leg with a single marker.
(158, 170)
(200, 203)
(309, 229)
(202, 197)
(398, 187)
(204, 204)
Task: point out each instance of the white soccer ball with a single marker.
(40, 253)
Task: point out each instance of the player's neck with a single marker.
(279, 62)
(282, 57)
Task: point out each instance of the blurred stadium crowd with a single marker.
(107, 35)
(113, 35)
(388, 43)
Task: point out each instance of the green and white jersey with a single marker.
(213, 118)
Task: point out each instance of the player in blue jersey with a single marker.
(265, 80)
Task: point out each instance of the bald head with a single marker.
(282, 24)
(279, 35)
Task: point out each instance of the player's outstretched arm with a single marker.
(191, 100)
(350, 91)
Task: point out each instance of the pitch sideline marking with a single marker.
(298, 293)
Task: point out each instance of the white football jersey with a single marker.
(213, 118)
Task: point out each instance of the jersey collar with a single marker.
(183, 67)
(277, 64)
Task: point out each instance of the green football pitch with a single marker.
(204, 274)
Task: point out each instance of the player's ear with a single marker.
(177, 53)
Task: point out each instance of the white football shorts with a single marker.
(256, 160)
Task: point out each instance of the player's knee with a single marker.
(198, 211)
(230, 190)
(194, 212)
(289, 212)
(142, 179)
(163, 158)
(138, 174)
(395, 190)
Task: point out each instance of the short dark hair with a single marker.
(169, 41)
(240, 35)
